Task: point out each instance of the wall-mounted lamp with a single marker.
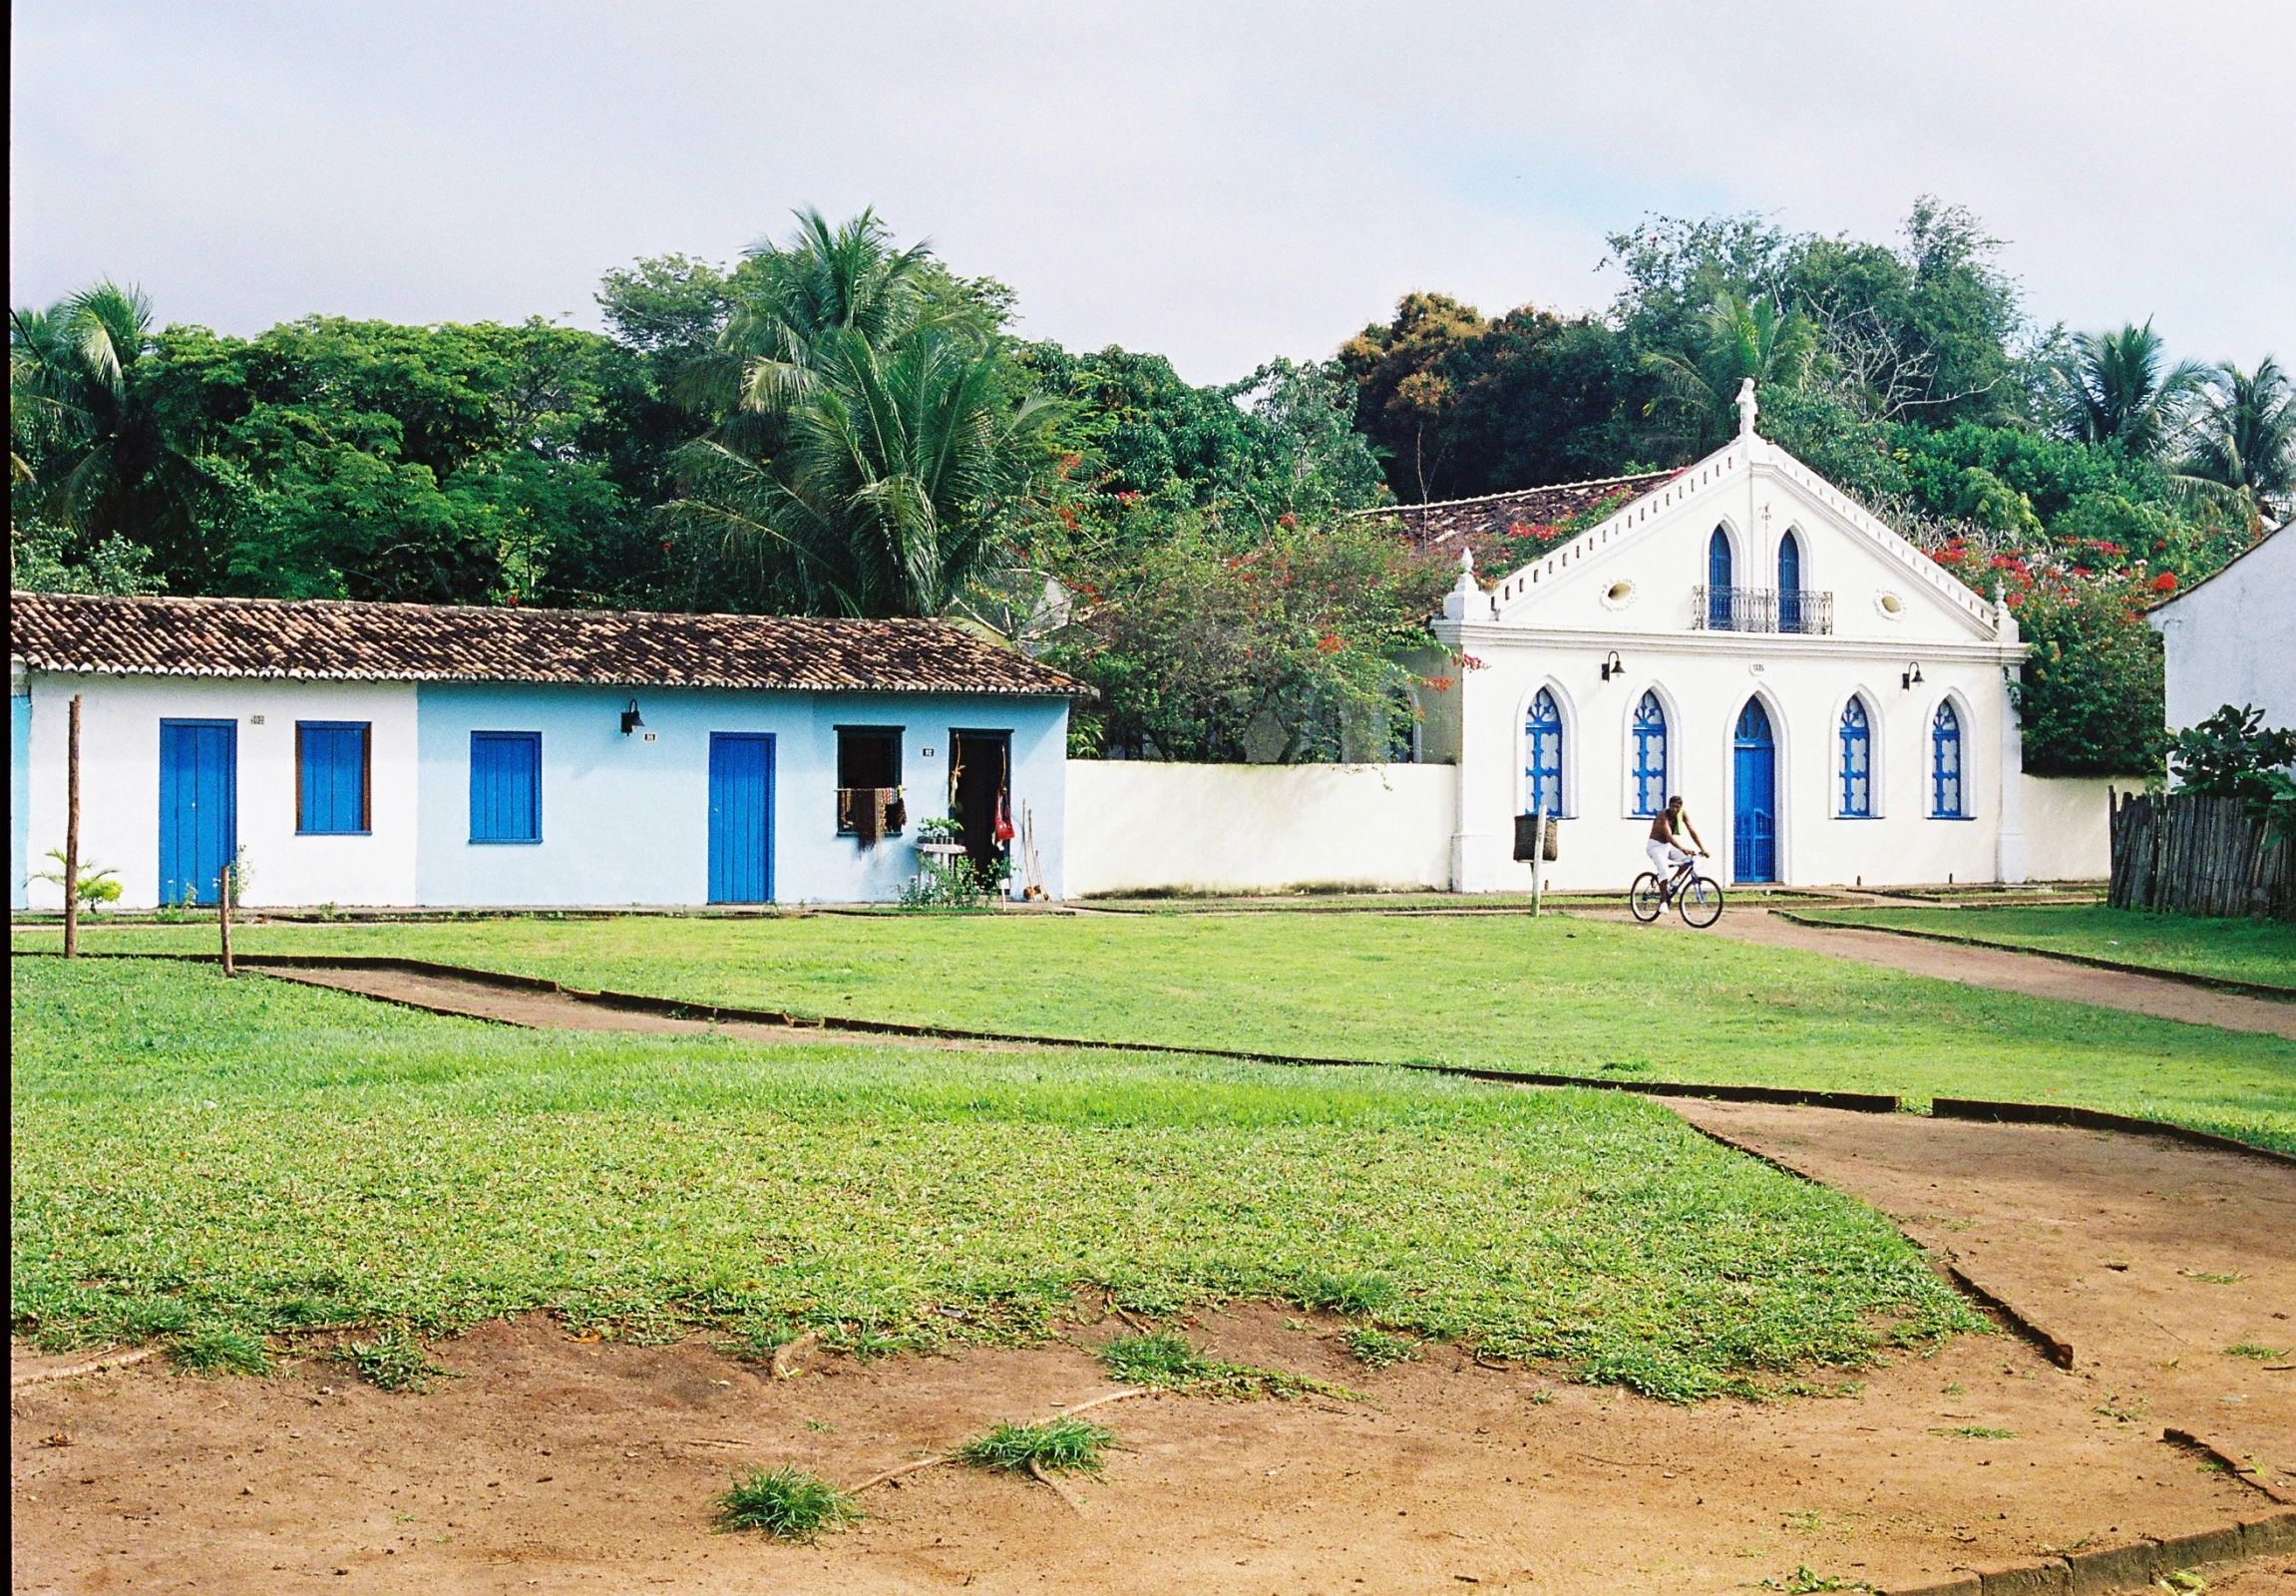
(631, 720)
(1612, 666)
(1912, 676)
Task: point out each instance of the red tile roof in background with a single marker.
(1431, 525)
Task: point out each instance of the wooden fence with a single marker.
(2188, 855)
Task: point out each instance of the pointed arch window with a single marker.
(1543, 755)
(1649, 755)
(1945, 795)
(1789, 604)
(1719, 589)
(1856, 762)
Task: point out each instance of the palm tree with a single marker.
(1742, 338)
(2244, 437)
(92, 454)
(2110, 389)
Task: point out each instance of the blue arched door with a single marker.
(1753, 785)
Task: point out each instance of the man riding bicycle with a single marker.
(1669, 824)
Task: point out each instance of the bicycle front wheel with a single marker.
(1648, 900)
(1701, 903)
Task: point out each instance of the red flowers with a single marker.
(1470, 663)
(1330, 643)
(2165, 583)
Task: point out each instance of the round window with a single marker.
(1617, 595)
(1890, 605)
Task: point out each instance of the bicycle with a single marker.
(1698, 899)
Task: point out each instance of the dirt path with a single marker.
(2035, 974)
(559, 1465)
(2149, 1257)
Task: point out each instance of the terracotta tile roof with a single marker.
(1431, 525)
(341, 641)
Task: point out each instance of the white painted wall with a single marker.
(119, 783)
(2232, 639)
(1139, 824)
(2068, 825)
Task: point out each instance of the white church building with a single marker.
(1831, 705)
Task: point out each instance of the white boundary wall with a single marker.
(1143, 824)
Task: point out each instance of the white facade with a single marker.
(1138, 825)
(2231, 640)
(120, 774)
(1905, 638)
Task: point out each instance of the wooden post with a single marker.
(1538, 853)
(224, 914)
(72, 831)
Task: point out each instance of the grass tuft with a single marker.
(1378, 1348)
(1058, 1445)
(2249, 1348)
(393, 1361)
(1168, 1359)
(1976, 1432)
(1361, 1293)
(787, 1504)
(220, 1349)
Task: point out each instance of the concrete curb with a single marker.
(2103, 1569)
(2244, 988)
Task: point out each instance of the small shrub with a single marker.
(787, 1504)
(1376, 1349)
(1057, 1445)
(220, 1349)
(393, 1361)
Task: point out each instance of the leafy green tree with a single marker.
(2244, 438)
(1738, 340)
(2110, 388)
(2091, 695)
(2232, 754)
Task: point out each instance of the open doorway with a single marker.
(980, 796)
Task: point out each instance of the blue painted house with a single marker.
(424, 755)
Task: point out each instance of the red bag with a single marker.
(1003, 817)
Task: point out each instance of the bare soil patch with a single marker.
(2035, 974)
(558, 1464)
(2154, 1259)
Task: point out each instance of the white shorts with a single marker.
(1665, 857)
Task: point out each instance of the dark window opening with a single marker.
(869, 802)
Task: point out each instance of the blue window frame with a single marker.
(1945, 765)
(1649, 755)
(333, 790)
(505, 786)
(1719, 592)
(1856, 762)
(1543, 755)
(1789, 583)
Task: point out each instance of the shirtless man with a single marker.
(1669, 822)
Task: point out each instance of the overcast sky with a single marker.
(1221, 183)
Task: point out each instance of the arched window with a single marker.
(1945, 764)
(1649, 755)
(1719, 589)
(1856, 761)
(1789, 583)
(1543, 755)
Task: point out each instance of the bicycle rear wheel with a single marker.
(1701, 903)
(1647, 900)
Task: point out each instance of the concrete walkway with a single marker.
(2035, 974)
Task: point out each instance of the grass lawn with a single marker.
(2236, 950)
(191, 1152)
(1578, 995)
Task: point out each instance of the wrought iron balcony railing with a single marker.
(1796, 609)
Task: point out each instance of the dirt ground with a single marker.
(558, 1464)
(2032, 974)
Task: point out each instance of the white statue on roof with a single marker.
(1748, 408)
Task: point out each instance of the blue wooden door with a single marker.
(199, 807)
(1753, 833)
(740, 818)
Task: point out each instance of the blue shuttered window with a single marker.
(1649, 755)
(1945, 765)
(1543, 755)
(505, 786)
(1718, 588)
(331, 787)
(1856, 762)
